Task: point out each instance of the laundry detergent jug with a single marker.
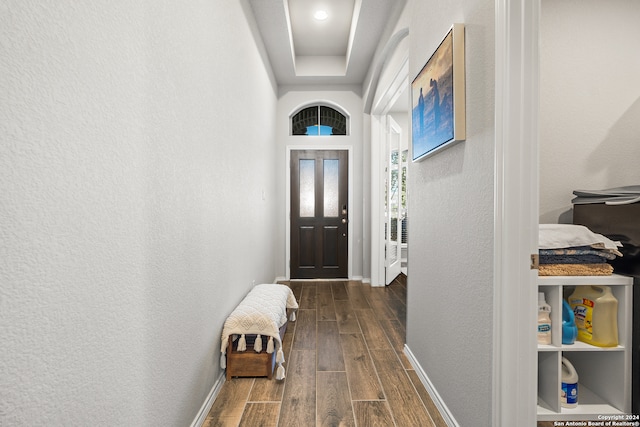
(596, 315)
(569, 390)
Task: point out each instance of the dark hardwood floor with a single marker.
(344, 366)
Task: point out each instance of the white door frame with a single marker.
(377, 201)
(349, 149)
(515, 357)
(384, 103)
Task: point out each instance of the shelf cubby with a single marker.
(604, 385)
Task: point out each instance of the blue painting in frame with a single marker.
(438, 98)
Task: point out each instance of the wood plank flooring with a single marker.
(344, 366)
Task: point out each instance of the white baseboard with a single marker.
(437, 400)
(355, 278)
(198, 421)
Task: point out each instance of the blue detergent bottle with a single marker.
(569, 328)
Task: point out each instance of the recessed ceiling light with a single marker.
(321, 15)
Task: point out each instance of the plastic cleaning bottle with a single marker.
(569, 390)
(596, 315)
(569, 328)
(544, 320)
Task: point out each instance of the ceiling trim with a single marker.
(352, 32)
(341, 51)
(287, 17)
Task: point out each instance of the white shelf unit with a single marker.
(604, 384)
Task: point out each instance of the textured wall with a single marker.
(589, 100)
(136, 208)
(450, 301)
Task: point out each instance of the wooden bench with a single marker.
(248, 363)
(264, 312)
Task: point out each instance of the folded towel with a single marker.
(571, 259)
(556, 236)
(575, 270)
(580, 250)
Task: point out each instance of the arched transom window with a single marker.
(318, 120)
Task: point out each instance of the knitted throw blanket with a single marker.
(262, 312)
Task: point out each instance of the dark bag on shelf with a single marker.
(617, 222)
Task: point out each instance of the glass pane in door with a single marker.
(307, 188)
(394, 193)
(331, 203)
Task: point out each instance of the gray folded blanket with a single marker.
(572, 259)
(579, 250)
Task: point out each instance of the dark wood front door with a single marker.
(319, 214)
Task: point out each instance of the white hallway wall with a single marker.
(589, 100)
(348, 99)
(131, 214)
(450, 231)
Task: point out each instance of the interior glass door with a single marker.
(393, 210)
